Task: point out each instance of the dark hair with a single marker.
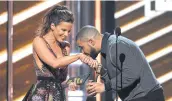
(87, 32)
(55, 15)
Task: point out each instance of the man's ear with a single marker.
(91, 42)
(52, 26)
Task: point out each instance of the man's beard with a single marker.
(93, 53)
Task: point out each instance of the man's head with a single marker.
(89, 40)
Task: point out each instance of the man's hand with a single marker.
(93, 87)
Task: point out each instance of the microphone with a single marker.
(122, 57)
(118, 31)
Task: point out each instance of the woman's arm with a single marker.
(45, 55)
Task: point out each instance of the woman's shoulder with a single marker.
(38, 41)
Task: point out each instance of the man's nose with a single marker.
(66, 34)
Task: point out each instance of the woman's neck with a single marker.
(50, 38)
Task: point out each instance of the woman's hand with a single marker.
(73, 86)
(82, 56)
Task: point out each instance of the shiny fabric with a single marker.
(45, 90)
(48, 89)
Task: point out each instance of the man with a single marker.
(138, 81)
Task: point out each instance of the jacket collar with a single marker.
(104, 42)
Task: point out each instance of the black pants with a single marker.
(156, 95)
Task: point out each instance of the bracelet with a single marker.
(98, 69)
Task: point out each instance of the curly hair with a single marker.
(56, 14)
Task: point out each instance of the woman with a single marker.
(50, 52)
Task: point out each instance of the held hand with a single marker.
(93, 64)
(93, 88)
(84, 58)
(89, 61)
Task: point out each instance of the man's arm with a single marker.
(127, 79)
(104, 74)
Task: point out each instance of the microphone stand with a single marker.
(121, 74)
(116, 65)
(118, 33)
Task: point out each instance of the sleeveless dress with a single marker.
(48, 85)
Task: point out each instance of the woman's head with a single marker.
(59, 20)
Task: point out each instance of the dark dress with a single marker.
(48, 85)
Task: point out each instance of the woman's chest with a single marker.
(58, 51)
